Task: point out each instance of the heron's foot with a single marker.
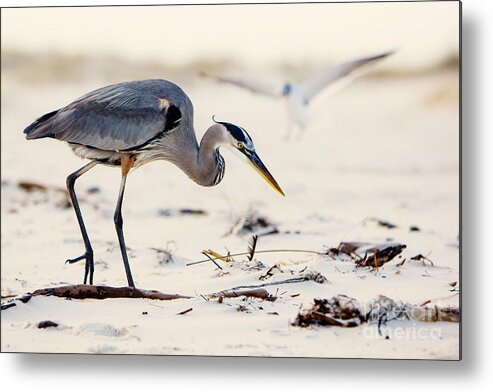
(76, 259)
(89, 270)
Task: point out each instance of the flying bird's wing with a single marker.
(255, 86)
(337, 75)
(117, 117)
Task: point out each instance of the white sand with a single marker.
(383, 148)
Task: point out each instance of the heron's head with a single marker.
(240, 141)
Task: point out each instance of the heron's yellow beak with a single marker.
(257, 164)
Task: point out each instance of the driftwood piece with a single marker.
(255, 293)
(84, 291)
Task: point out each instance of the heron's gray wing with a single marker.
(117, 117)
(254, 86)
(337, 75)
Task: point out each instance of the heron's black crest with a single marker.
(238, 133)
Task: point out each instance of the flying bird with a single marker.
(299, 96)
(129, 124)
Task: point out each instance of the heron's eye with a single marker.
(240, 145)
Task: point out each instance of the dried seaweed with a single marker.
(181, 211)
(380, 255)
(340, 311)
(165, 255)
(422, 258)
(375, 255)
(270, 272)
(386, 224)
(343, 311)
(253, 223)
(315, 276)
(251, 247)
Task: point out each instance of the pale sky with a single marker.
(255, 35)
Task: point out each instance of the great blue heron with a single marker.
(298, 96)
(132, 123)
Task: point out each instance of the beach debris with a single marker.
(270, 272)
(84, 291)
(165, 255)
(367, 254)
(8, 305)
(47, 324)
(167, 212)
(242, 308)
(217, 256)
(344, 311)
(380, 255)
(346, 248)
(251, 247)
(93, 190)
(12, 302)
(206, 253)
(414, 228)
(62, 201)
(253, 223)
(341, 311)
(233, 293)
(60, 195)
(420, 257)
(314, 276)
(386, 224)
(231, 255)
(31, 186)
(184, 311)
(299, 279)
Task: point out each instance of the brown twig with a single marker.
(258, 251)
(185, 311)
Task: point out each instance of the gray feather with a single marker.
(117, 117)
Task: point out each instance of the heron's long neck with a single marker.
(207, 169)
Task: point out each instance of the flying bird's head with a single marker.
(286, 89)
(240, 141)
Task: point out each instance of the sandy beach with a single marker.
(383, 152)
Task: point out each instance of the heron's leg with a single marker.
(89, 254)
(126, 164)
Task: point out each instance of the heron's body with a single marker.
(132, 123)
(297, 106)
